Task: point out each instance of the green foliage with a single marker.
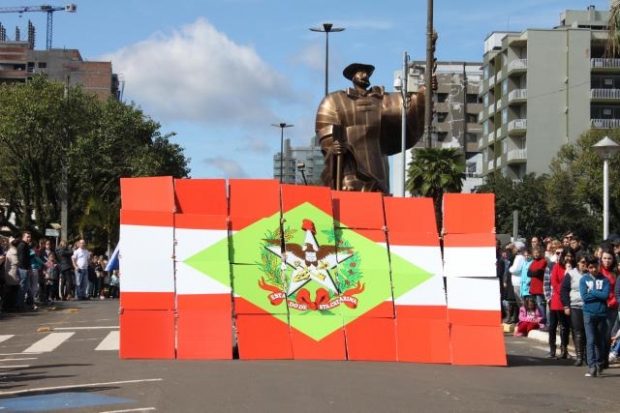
(613, 41)
(570, 198)
(45, 128)
(528, 197)
(434, 172)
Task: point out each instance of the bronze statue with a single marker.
(358, 129)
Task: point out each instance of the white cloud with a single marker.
(228, 167)
(198, 74)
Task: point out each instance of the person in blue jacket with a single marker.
(594, 290)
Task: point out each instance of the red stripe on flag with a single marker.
(147, 218)
(295, 195)
(478, 346)
(475, 317)
(469, 240)
(468, 213)
(410, 215)
(147, 334)
(194, 221)
(358, 209)
(201, 196)
(147, 301)
(204, 302)
(413, 238)
(148, 194)
(428, 312)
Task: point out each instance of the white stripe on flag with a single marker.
(110, 342)
(49, 343)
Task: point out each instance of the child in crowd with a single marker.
(614, 351)
(52, 273)
(114, 284)
(530, 318)
(594, 290)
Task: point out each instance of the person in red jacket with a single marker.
(557, 316)
(608, 268)
(536, 272)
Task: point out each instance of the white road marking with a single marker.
(84, 328)
(48, 343)
(15, 354)
(16, 366)
(110, 342)
(19, 359)
(139, 409)
(73, 386)
(5, 337)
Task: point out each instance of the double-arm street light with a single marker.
(282, 125)
(327, 29)
(606, 149)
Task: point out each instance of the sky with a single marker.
(218, 73)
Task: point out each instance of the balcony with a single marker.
(481, 142)
(519, 65)
(605, 63)
(491, 137)
(517, 156)
(517, 96)
(604, 94)
(481, 115)
(517, 127)
(605, 123)
(490, 165)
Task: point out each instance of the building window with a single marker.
(505, 116)
(471, 98)
(42, 65)
(442, 97)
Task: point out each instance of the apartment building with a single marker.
(457, 105)
(19, 62)
(543, 88)
(300, 164)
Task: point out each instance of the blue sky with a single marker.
(218, 73)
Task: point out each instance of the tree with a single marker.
(528, 197)
(576, 187)
(613, 40)
(44, 128)
(435, 171)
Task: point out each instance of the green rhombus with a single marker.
(247, 246)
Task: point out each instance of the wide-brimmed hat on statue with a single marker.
(353, 68)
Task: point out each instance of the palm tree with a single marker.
(613, 42)
(435, 171)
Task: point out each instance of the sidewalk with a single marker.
(537, 335)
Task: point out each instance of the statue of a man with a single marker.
(358, 129)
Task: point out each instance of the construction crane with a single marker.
(71, 8)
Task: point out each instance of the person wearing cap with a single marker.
(360, 127)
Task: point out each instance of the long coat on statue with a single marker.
(369, 123)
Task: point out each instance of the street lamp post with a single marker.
(402, 86)
(282, 125)
(302, 168)
(606, 149)
(327, 28)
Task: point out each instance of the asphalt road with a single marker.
(72, 376)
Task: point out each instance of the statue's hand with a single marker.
(339, 148)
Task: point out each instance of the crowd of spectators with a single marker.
(34, 274)
(568, 289)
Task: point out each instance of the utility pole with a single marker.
(64, 179)
(430, 61)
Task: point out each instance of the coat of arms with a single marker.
(308, 275)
